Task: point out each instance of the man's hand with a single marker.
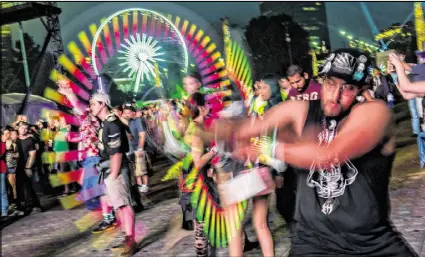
(140, 153)
(395, 60)
(244, 150)
(28, 171)
(66, 91)
(390, 67)
(113, 175)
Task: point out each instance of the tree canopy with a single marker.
(267, 40)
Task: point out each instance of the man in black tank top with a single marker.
(343, 159)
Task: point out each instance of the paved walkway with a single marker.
(408, 213)
(67, 232)
(59, 232)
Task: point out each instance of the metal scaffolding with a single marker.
(17, 12)
(53, 28)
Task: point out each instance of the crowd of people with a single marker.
(324, 145)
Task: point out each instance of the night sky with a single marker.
(347, 16)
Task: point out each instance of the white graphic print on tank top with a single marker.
(330, 182)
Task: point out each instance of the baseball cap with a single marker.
(103, 98)
(350, 65)
(129, 106)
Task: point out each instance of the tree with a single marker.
(31, 48)
(267, 40)
(32, 52)
(10, 83)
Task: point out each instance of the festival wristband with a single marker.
(214, 150)
(274, 146)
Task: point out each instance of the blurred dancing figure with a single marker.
(343, 157)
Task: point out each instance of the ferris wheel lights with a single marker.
(151, 48)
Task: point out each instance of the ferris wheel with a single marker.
(144, 48)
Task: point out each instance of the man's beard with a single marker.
(341, 114)
(306, 83)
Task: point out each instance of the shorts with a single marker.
(186, 205)
(11, 170)
(118, 190)
(140, 163)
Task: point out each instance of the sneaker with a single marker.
(63, 195)
(17, 213)
(105, 226)
(130, 247)
(119, 246)
(143, 188)
(13, 207)
(37, 209)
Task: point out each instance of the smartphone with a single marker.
(382, 59)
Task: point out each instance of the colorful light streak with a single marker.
(144, 22)
(167, 26)
(70, 201)
(184, 27)
(152, 26)
(116, 27)
(175, 30)
(108, 40)
(125, 25)
(53, 95)
(56, 76)
(220, 229)
(418, 10)
(159, 29)
(69, 156)
(65, 62)
(135, 22)
(85, 41)
(76, 52)
(67, 178)
(88, 220)
(239, 70)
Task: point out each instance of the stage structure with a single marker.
(17, 12)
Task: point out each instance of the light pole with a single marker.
(288, 40)
(24, 55)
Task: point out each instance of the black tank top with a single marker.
(359, 224)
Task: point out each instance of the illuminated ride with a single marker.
(137, 48)
(143, 51)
